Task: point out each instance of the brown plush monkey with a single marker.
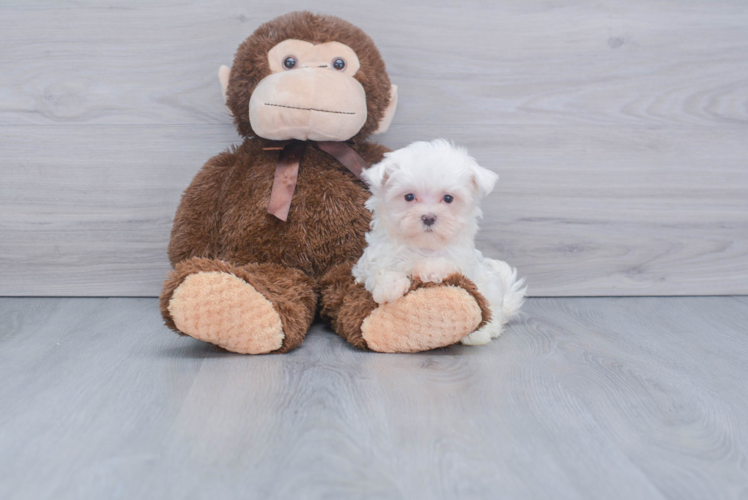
(248, 280)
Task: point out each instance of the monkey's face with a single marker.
(309, 77)
(310, 94)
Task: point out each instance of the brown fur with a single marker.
(222, 222)
(345, 303)
(223, 214)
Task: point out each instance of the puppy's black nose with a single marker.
(428, 219)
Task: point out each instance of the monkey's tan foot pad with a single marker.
(222, 309)
(424, 319)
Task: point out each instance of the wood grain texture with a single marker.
(99, 223)
(618, 129)
(467, 62)
(581, 398)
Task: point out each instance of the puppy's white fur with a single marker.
(432, 235)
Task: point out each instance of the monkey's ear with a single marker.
(376, 176)
(223, 76)
(389, 113)
(484, 180)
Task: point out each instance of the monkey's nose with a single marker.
(428, 219)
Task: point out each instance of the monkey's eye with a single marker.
(448, 198)
(289, 62)
(410, 197)
(338, 64)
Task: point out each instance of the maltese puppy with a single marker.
(425, 206)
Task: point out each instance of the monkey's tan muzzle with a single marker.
(315, 104)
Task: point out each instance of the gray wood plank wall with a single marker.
(619, 129)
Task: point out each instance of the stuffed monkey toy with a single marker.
(267, 232)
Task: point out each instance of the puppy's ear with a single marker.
(484, 180)
(376, 176)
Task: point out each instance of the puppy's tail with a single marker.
(514, 289)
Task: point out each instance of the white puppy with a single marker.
(425, 205)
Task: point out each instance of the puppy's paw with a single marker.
(434, 270)
(478, 337)
(390, 287)
(484, 335)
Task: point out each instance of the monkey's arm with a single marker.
(198, 219)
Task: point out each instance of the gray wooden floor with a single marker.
(581, 398)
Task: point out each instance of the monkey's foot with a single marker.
(250, 308)
(430, 315)
(222, 309)
(425, 318)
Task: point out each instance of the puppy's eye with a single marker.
(448, 198)
(410, 197)
(289, 62)
(338, 64)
